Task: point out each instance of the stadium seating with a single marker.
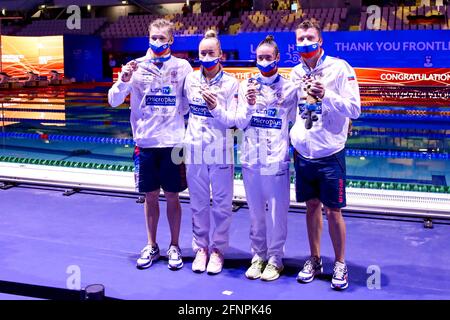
(396, 18)
(285, 20)
(57, 27)
(137, 26)
(330, 19)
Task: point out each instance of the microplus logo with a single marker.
(200, 110)
(268, 123)
(160, 100)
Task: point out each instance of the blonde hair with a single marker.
(161, 23)
(310, 23)
(212, 34)
(270, 41)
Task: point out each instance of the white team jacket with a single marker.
(266, 124)
(156, 102)
(341, 102)
(208, 128)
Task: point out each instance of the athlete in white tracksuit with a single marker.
(155, 83)
(156, 102)
(265, 162)
(209, 154)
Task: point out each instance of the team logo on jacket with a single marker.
(200, 110)
(152, 100)
(163, 90)
(166, 90)
(173, 76)
(272, 112)
(266, 123)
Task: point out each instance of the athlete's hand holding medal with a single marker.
(314, 88)
(209, 96)
(151, 70)
(252, 90)
(315, 92)
(127, 70)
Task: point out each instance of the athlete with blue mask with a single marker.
(328, 87)
(155, 84)
(212, 97)
(267, 103)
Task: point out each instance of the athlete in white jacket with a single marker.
(155, 83)
(266, 106)
(320, 150)
(212, 98)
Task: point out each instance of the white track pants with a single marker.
(202, 179)
(268, 229)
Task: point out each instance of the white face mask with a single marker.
(158, 46)
(209, 62)
(265, 62)
(207, 58)
(306, 42)
(267, 66)
(157, 42)
(308, 49)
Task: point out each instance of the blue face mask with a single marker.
(267, 66)
(209, 62)
(158, 48)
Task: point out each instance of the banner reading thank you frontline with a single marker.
(363, 49)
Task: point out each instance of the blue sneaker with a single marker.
(340, 276)
(312, 267)
(148, 255)
(174, 257)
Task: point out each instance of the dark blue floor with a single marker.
(42, 233)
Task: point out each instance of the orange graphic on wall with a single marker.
(38, 54)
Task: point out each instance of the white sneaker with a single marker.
(312, 267)
(340, 276)
(174, 257)
(271, 272)
(199, 263)
(256, 269)
(148, 255)
(215, 263)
